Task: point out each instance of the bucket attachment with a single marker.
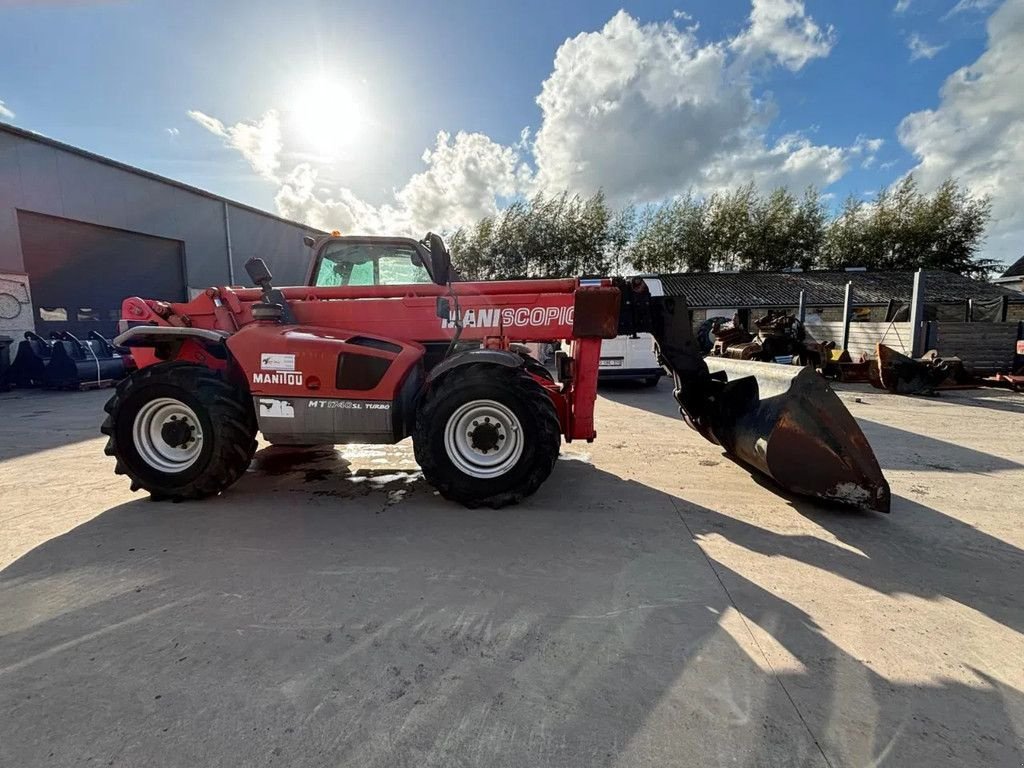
(83, 363)
(786, 422)
(29, 366)
(781, 420)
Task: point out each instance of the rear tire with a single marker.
(487, 435)
(179, 431)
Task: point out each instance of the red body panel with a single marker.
(313, 361)
(495, 313)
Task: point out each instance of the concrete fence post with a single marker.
(847, 311)
(917, 316)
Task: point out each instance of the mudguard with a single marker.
(471, 356)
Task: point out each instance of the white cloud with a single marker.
(901, 6)
(964, 6)
(5, 112)
(921, 49)
(647, 111)
(464, 178)
(976, 133)
(793, 161)
(782, 29)
(642, 111)
(259, 142)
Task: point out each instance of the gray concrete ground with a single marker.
(650, 606)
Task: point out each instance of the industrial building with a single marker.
(80, 232)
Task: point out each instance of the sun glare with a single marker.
(328, 116)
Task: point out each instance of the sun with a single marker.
(328, 116)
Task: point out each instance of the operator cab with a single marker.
(369, 261)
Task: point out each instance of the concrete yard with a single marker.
(650, 606)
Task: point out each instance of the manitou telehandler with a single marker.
(382, 343)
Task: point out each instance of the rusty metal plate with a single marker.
(596, 312)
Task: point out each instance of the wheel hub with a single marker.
(483, 438)
(167, 435)
(176, 432)
(486, 435)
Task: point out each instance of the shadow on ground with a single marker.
(895, 448)
(36, 420)
(308, 617)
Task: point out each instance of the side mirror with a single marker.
(258, 272)
(444, 308)
(440, 259)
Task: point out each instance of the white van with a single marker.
(630, 355)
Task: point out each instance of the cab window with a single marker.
(369, 264)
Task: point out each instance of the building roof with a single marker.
(40, 139)
(1016, 269)
(825, 288)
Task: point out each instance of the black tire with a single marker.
(225, 416)
(517, 391)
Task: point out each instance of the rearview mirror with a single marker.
(440, 259)
(444, 308)
(258, 272)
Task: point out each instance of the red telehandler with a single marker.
(382, 344)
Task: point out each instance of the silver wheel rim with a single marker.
(470, 433)
(149, 432)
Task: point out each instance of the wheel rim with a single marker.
(167, 435)
(483, 438)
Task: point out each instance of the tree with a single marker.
(742, 229)
(904, 229)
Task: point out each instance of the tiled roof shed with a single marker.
(825, 288)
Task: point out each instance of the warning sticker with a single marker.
(275, 361)
(280, 409)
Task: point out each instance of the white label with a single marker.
(280, 409)
(274, 361)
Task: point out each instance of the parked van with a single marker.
(630, 355)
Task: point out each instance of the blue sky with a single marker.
(824, 106)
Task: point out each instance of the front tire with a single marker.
(179, 431)
(487, 435)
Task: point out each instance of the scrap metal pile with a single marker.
(903, 375)
(780, 338)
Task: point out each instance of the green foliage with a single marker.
(563, 235)
(906, 230)
(546, 237)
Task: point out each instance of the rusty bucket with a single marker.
(787, 422)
